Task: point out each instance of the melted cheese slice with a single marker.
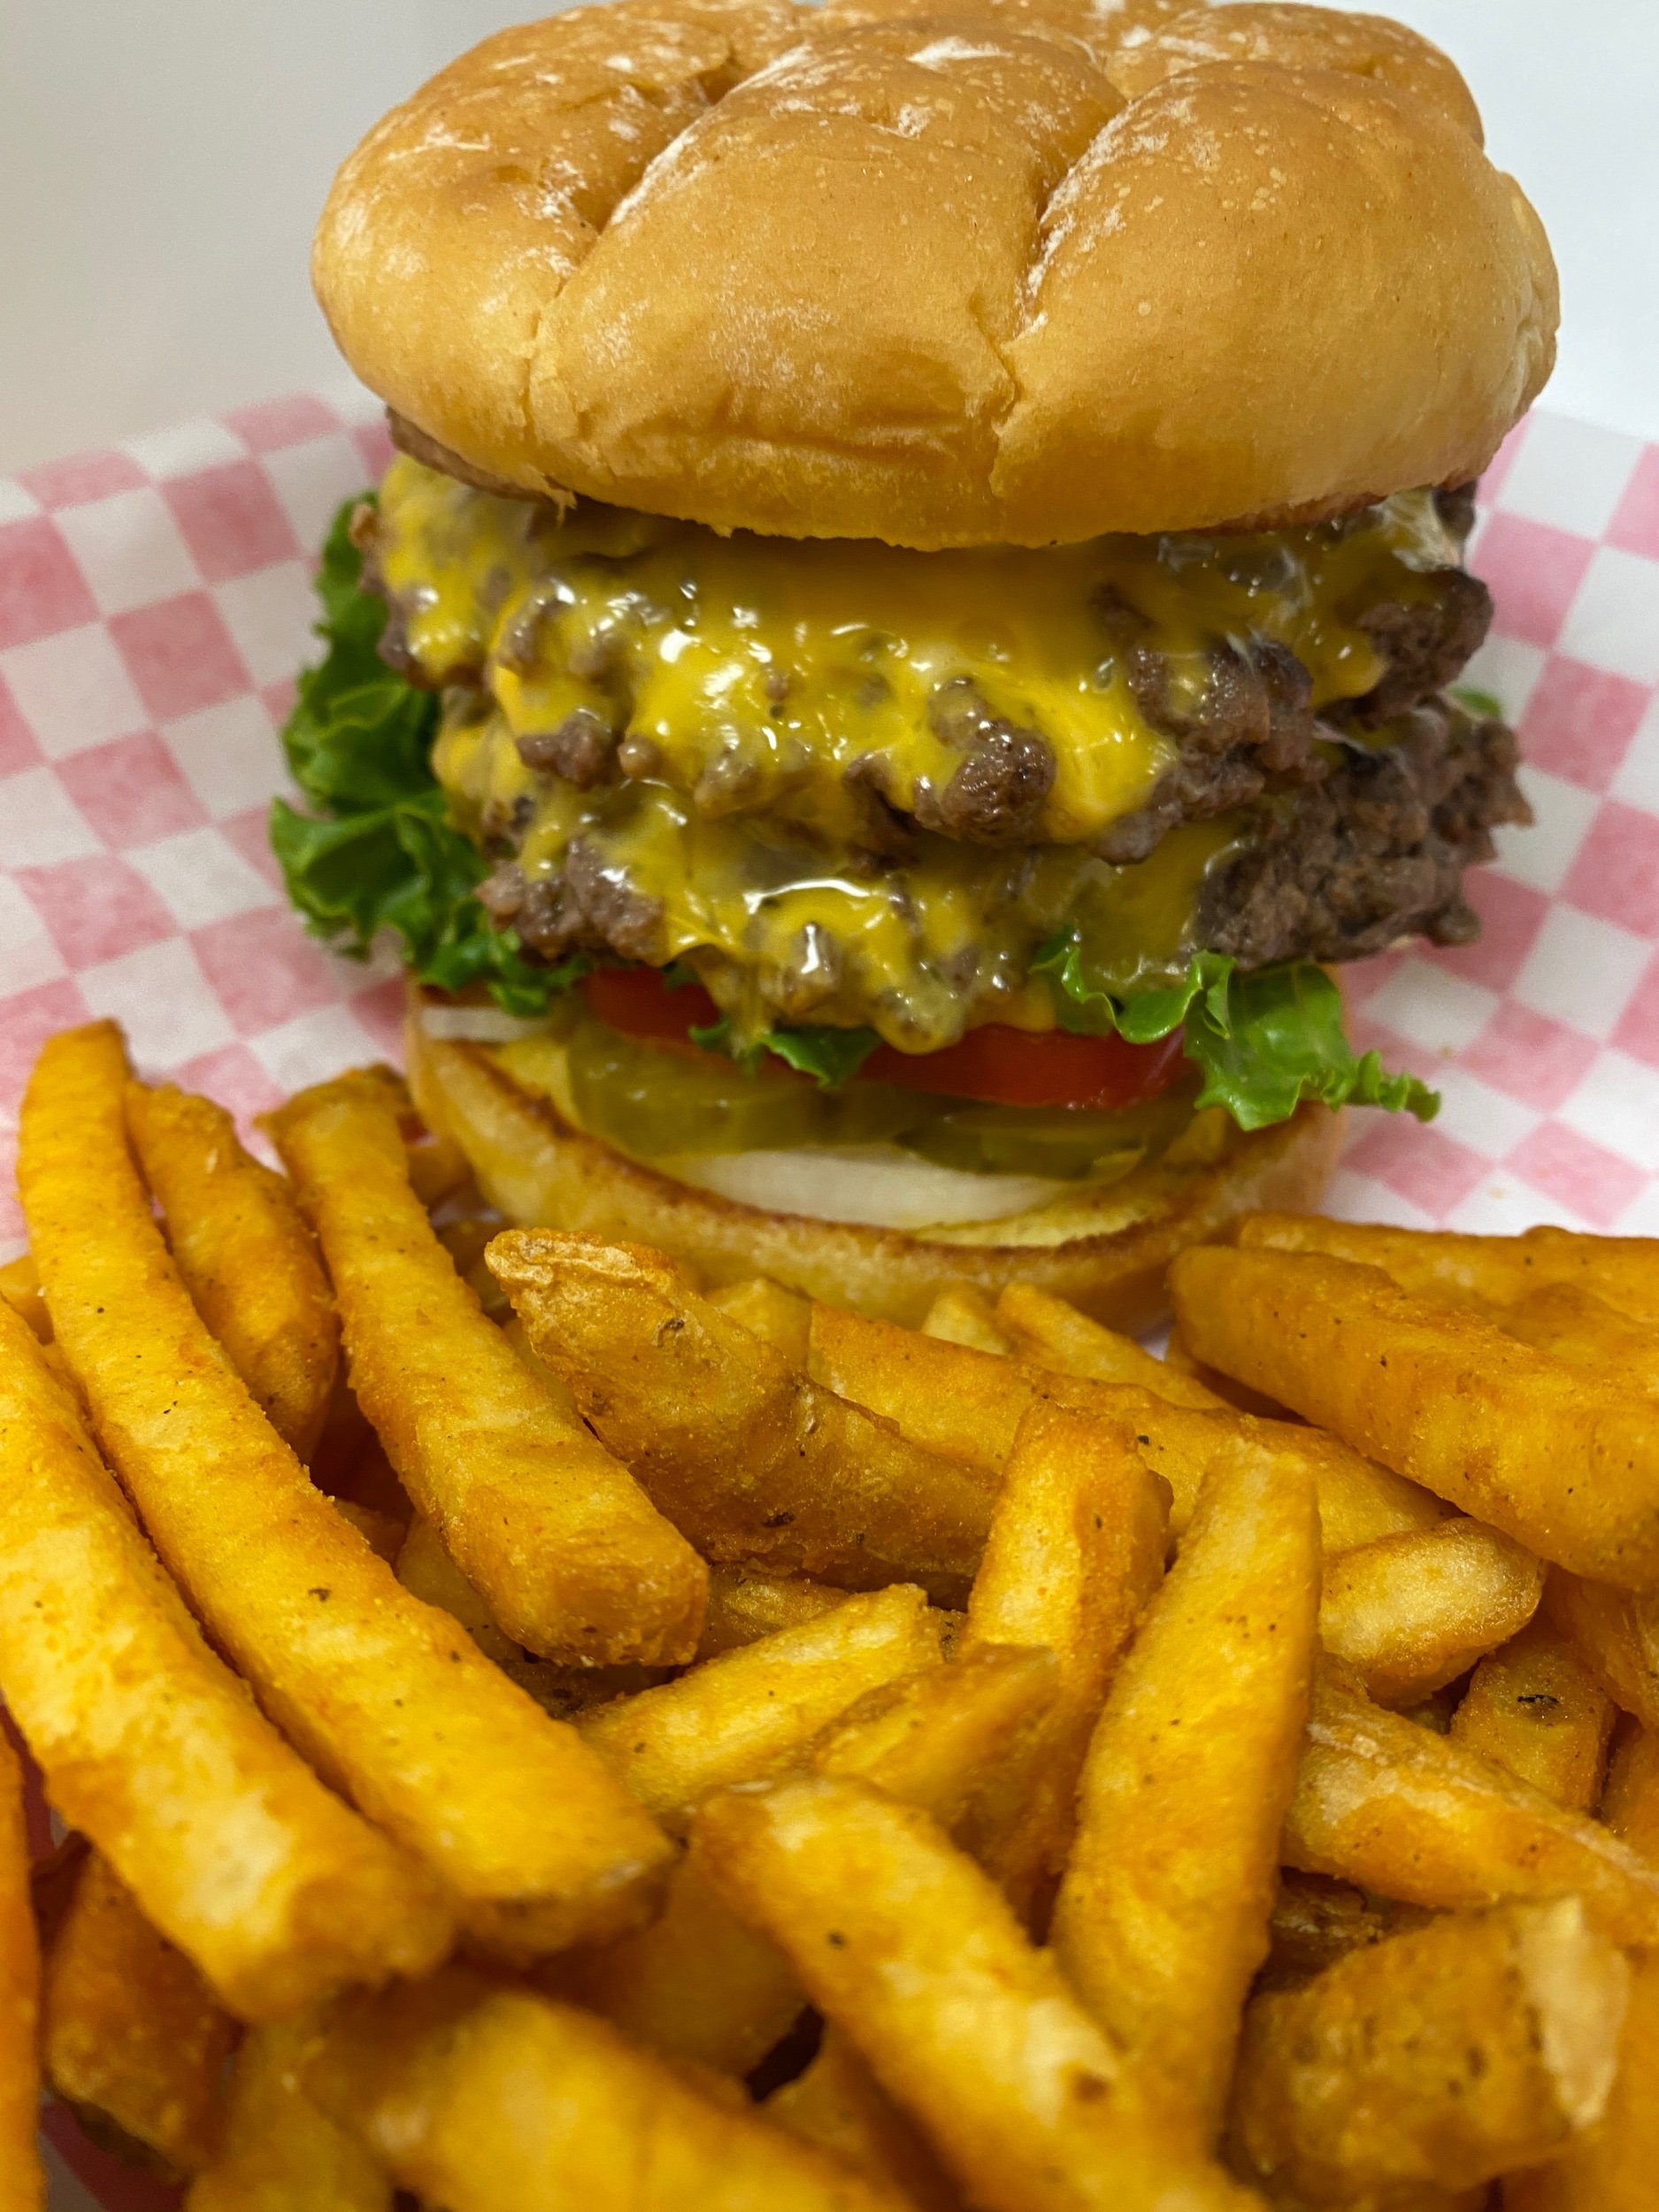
(752, 673)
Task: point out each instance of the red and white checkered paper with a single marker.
(155, 603)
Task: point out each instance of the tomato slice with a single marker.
(1024, 1067)
(998, 1066)
(637, 1002)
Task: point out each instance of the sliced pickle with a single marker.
(1061, 1142)
(652, 1102)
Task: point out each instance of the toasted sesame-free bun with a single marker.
(1105, 1249)
(1012, 270)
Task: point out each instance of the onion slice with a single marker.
(877, 1186)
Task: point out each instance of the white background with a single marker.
(162, 163)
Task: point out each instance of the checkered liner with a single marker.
(155, 603)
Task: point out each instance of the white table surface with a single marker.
(162, 163)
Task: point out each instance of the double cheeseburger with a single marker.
(916, 615)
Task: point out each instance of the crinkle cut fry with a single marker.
(384, 1694)
(247, 1259)
(577, 1563)
(150, 1746)
(1565, 1463)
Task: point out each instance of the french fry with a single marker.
(1615, 1632)
(246, 1257)
(1162, 1914)
(281, 2151)
(1535, 1709)
(1411, 1613)
(838, 2104)
(746, 1455)
(1568, 1467)
(1074, 1556)
(955, 1399)
(1046, 1329)
(1439, 2058)
(130, 2029)
(777, 1315)
(384, 1536)
(1396, 1809)
(1630, 1802)
(437, 1167)
(1315, 1922)
(1179, 1353)
(577, 1563)
(699, 1983)
(1492, 1271)
(736, 1717)
(941, 1740)
(426, 1570)
(20, 1288)
(383, 1694)
(22, 2178)
(912, 1952)
(963, 1315)
(494, 2099)
(151, 1747)
(744, 1604)
(1610, 2166)
(1583, 1330)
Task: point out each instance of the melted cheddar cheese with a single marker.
(734, 683)
(750, 675)
(781, 929)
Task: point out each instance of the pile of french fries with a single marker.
(534, 1732)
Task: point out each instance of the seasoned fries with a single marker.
(697, 1983)
(745, 1456)
(1074, 1555)
(964, 1315)
(912, 1952)
(1568, 1465)
(1435, 2060)
(22, 2181)
(1630, 1802)
(384, 1694)
(743, 1603)
(735, 1717)
(1411, 1613)
(494, 2099)
(244, 1255)
(1535, 1709)
(1611, 2166)
(838, 2104)
(1393, 1808)
(1615, 1632)
(576, 1563)
(149, 1746)
(1267, 1799)
(1490, 1271)
(280, 2152)
(129, 2028)
(1046, 1329)
(1162, 1915)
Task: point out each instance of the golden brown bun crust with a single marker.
(1014, 270)
(1106, 1252)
